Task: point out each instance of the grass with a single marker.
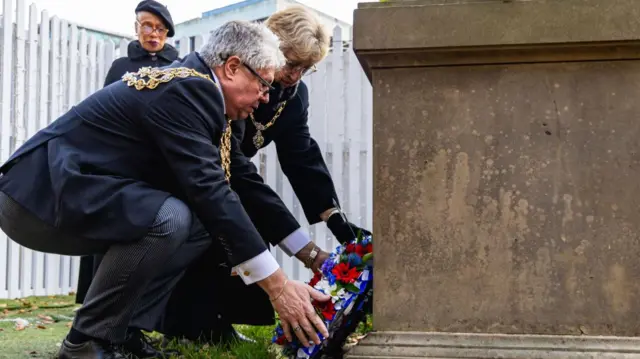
(34, 327)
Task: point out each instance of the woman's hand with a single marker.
(297, 314)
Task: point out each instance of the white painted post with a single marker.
(102, 66)
(29, 256)
(336, 118)
(54, 62)
(63, 102)
(14, 253)
(5, 119)
(353, 97)
(43, 120)
(53, 261)
(124, 45)
(83, 67)
(72, 96)
(63, 106)
(184, 47)
(93, 67)
(72, 86)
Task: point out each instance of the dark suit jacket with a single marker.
(103, 169)
(298, 153)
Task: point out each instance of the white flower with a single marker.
(324, 286)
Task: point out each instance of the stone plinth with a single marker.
(507, 178)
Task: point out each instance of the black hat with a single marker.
(159, 10)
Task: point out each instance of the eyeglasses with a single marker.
(264, 82)
(148, 29)
(296, 67)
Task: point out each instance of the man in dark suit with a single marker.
(143, 171)
(283, 121)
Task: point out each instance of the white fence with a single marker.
(48, 67)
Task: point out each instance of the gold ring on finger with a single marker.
(296, 328)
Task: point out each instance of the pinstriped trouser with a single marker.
(134, 280)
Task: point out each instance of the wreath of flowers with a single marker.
(347, 277)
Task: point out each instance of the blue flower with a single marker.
(331, 278)
(327, 266)
(354, 259)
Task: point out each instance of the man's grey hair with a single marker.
(253, 43)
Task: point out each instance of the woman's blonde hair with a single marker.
(302, 35)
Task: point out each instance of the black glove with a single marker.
(343, 230)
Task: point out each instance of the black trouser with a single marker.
(134, 281)
(207, 300)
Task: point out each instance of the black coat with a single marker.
(79, 174)
(138, 57)
(198, 303)
(299, 155)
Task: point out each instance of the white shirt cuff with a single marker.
(256, 268)
(295, 242)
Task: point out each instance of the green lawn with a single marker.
(33, 328)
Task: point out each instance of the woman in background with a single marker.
(153, 26)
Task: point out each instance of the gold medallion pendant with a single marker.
(258, 139)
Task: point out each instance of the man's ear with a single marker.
(232, 67)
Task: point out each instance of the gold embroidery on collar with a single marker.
(225, 151)
(157, 76)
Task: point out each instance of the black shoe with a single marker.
(88, 350)
(138, 345)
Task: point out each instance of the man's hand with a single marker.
(292, 301)
(344, 231)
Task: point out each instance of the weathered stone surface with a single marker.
(405, 345)
(504, 198)
(507, 163)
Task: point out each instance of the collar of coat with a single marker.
(135, 51)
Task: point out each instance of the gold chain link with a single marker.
(258, 139)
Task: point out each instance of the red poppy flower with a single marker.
(327, 308)
(350, 248)
(345, 273)
(282, 340)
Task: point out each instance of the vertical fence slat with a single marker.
(354, 180)
(72, 98)
(93, 84)
(82, 66)
(184, 48)
(43, 119)
(101, 64)
(5, 126)
(15, 271)
(122, 48)
(336, 114)
(52, 275)
(63, 94)
(28, 256)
